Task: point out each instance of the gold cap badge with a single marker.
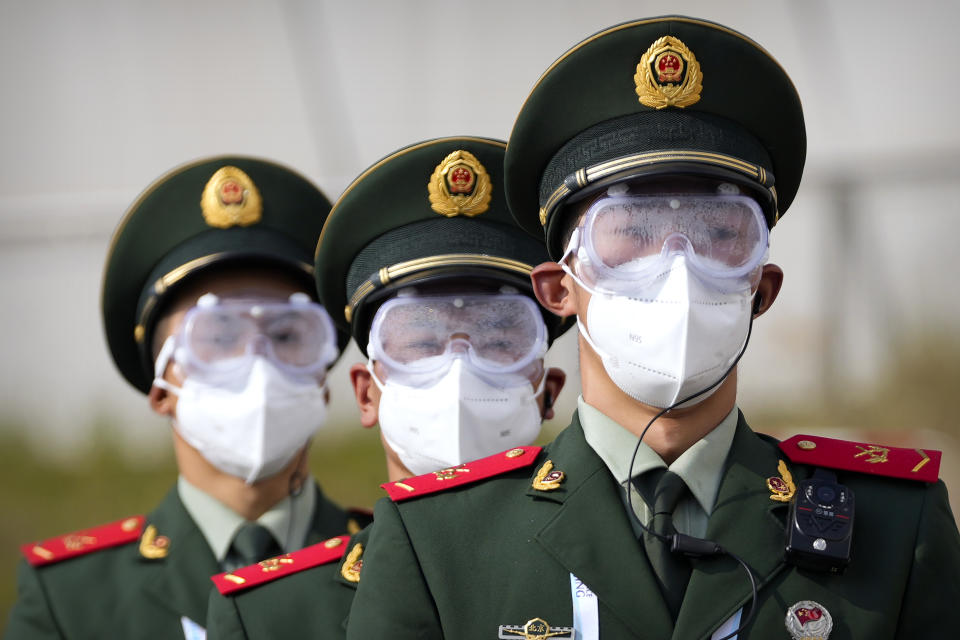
(668, 75)
(460, 186)
(231, 199)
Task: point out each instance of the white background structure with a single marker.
(101, 97)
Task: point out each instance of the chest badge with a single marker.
(668, 75)
(536, 629)
(809, 620)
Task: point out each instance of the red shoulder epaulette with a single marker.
(82, 542)
(466, 473)
(892, 462)
(287, 564)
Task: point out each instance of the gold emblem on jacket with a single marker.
(460, 185)
(535, 629)
(548, 478)
(352, 564)
(153, 546)
(783, 487)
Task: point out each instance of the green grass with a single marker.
(41, 497)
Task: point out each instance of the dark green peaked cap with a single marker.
(430, 212)
(203, 213)
(661, 96)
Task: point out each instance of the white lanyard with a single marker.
(728, 626)
(586, 622)
(191, 630)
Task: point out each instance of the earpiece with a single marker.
(547, 400)
(757, 303)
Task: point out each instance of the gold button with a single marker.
(129, 524)
(333, 542)
(514, 453)
(807, 445)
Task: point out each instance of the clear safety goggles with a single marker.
(224, 335)
(624, 242)
(417, 337)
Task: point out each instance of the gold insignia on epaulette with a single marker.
(548, 478)
(353, 526)
(783, 487)
(274, 564)
(234, 579)
(874, 453)
(460, 185)
(668, 75)
(46, 554)
(74, 542)
(451, 473)
(924, 460)
(350, 569)
(231, 199)
(153, 546)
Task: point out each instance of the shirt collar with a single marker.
(288, 520)
(700, 466)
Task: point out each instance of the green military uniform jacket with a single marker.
(462, 562)
(312, 603)
(117, 592)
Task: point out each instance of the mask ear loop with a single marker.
(376, 380)
(160, 366)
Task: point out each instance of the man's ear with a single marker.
(367, 394)
(162, 401)
(767, 289)
(555, 379)
(553, 287)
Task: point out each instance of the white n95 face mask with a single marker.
(671, 339)
(252, 424)
(459, 418)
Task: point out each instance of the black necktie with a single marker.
(253, 543)
(672, 570)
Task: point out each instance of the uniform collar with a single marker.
(289, 520)
(700, 466)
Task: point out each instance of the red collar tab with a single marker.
(466, 473)
(891, 462)
(83, 542)
(289, 563)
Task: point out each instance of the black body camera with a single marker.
(821, 524)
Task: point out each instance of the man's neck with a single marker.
(672, 433)
(248, 501)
